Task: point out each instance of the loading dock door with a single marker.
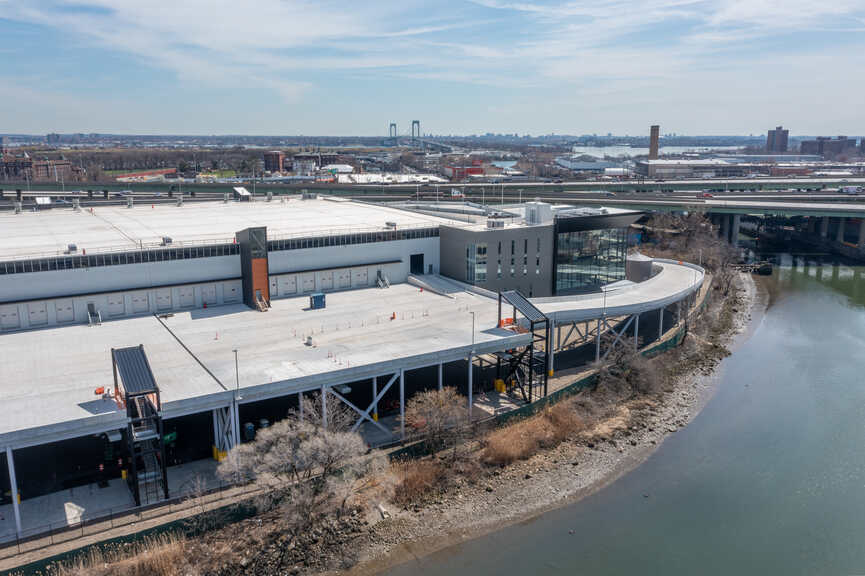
(325, 280)
(287, 285)
(307, 282)
(9, 317)
(359, 278)
(140, 302)
(208, 294)
(64, 310)
(230, 292)
(38, 313)
(416, 264)
(187, 296)
(163, 299)
(116, 306)
(343, 278)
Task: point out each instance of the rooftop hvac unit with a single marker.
(71, 248)
(166, 240)
(307, 195)
(390, 225)
(495, 223)
(538, 213)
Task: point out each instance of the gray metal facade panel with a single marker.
(134, 371)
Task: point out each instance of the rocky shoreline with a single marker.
(552, 478)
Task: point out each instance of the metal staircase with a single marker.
(136, 391)
(526, 369)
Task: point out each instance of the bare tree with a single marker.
(339, 416)
(627, 373)
(437, 416)
(306, 470)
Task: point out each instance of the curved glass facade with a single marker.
(589, 259)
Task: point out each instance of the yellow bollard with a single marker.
(375, 417)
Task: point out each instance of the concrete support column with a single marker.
(471, 399)
(441, 381)
(725, 227)
(661, 324)
(839, 234)
(824, 226)
(323, 406)
(734, 229)
(636, 333)
(812, 225)
(552, 349)
(10, 463)
(862, 234)
(300, 404)
(374, 396)
(402, 404)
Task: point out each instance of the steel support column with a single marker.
(471, 400)
(441, 380)
(323, 406)
(637, 333)
(402, 403)
(374, 395)
(862, 234)
(13, 482)
(824, 226)
(661, 324)
(598, 342)
(839, 235)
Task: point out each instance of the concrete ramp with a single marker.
(437, 284)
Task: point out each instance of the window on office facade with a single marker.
(476, 263)
(589, 259)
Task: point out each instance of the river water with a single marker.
(768, 479)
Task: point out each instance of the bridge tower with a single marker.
(415, 129)
(391, 130)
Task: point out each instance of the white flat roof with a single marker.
(48, 377)
(49, 232)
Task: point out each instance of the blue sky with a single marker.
(459, 66)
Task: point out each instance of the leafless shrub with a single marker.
(339, 416)
(437, 416)
(307, 471)
(626, 373)
(157, 556)
(522, 440)
(416, 479)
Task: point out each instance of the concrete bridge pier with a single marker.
(824, 227)
(725, 227)
(839, 234)
(862, 234)
(735, 221)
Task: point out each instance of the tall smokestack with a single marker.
(654, 134)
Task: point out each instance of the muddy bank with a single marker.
(493, 499)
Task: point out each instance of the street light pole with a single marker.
(473, 329)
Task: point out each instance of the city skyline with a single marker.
(279, 68)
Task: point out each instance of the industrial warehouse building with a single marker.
(140, 339)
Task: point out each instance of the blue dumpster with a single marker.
(316, 300)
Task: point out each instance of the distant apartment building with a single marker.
(305, 164)
(52, 138)
(828, 147)
(776, 140)
(26, 168)
(274, 161)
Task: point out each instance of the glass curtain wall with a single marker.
(589, 259)
(476, 263)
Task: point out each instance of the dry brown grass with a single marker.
(416, 479)
(163, 555)
(522, 440)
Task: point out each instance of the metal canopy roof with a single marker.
(525, 307)
(134, 372)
